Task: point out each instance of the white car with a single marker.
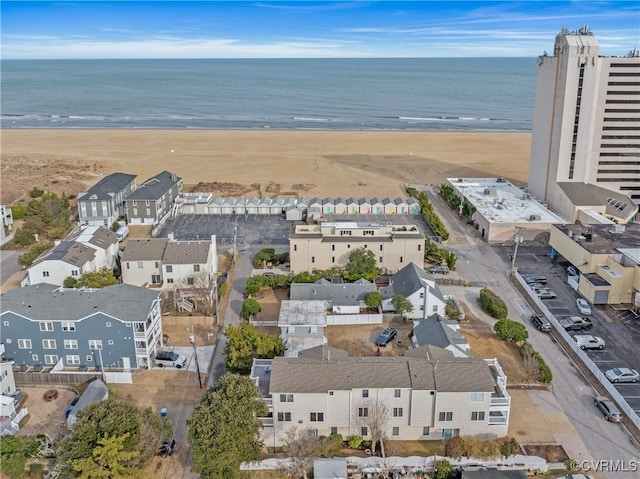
(586, 341)
(583, 306)
(622, 375)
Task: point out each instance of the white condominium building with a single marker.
(586, 127)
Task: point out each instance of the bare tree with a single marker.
(375, 417)
(303, 448)
(199, 290)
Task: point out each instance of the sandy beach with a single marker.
(313, 163)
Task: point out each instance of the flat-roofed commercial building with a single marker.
(502, 209)
(328, 245)
(586, 126)
(607, 258)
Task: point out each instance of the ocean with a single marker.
(425, 94)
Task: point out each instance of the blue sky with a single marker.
(307, 29)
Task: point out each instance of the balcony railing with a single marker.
(500, 401)
(267, 421)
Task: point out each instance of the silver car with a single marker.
(610, 411)
(622, 375)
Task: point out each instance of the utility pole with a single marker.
(235, 240)
(517, 239)
(192, 340)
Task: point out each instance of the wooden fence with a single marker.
(188, 320)
(27, 378)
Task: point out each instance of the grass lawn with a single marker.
(414, 448)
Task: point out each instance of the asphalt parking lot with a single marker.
(619, 331)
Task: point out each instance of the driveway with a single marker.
(8, 264)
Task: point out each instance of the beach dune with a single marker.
(313, 163)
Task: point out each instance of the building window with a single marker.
(89, 358)
(363, 412)
(135, 203)
(75, 272)
(445, 416)
(147, 203)
(334, 431)
(286, 397)
(157, 264)
(422, 307)
(295, 247)
(380, 247)
(49, 344)
(190, 281)
(364, 431)
(419, 247)
(313, 259)
(476, 397)
(45, 274)
(168, 268)
(128, 265)
(425, 431)
(170, 280)
(34, 357)
(333, 247)
(148, 211)
(395, 431)
(333, 259)
(50, 358)
(397, 393)
(72, 359)
(316, 417)
(95, 344)
(196, 268)
(365, 393)
(380, 259)
(401, 259)
(331, 393)
(284, 417)
(24, 344)
(397, 412)
(46, 326)
(435, 308)
(70, 344)
(477, 416)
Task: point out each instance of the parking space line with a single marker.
(605, 360)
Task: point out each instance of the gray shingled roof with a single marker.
(429, 353)
(102, 237)
(154, 187)
(76, 254)
(299, 375)
(344, 294)
(407, 281)
(150, 249)
(299, 313)
(43, 302)
(187, 252)
(434, 331)
(324, 351)
(586, 194)
(108, 186)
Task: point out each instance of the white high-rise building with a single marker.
(585, 151)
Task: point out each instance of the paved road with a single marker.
(8, 264)
(603, 440)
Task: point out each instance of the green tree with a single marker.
(17, 211)
(511, 330)
(109, 461)
(263, 257)
(451, 260)
(223, 430)
(12, 456)
(444, 470)
(373, 299)
(244, 343)
(27, 259)
(142, 431)
(402, 305)
(93, 279)
(362, 264)
(250, 307)
(24, 236)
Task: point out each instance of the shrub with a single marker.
(17, 211)
(222, 289)
(254, 283)
(250, 308)
(511, 330)
(545, 372)
(355, 442)
(373, 299)
(492, 304)
(541, 368)
(431, 217)
(444, 470)
(36, 192)
(27, 259)
(458, 447)
(451, 311)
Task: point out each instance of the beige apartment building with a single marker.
(328, 245)
(586, 128)
(607, 258)
(427, 395)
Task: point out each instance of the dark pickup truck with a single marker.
(575, 323)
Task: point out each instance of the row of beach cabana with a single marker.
(293, 208)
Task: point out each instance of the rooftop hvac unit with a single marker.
(490, 192)
(535, 218)
(617, 228)
(500, 180)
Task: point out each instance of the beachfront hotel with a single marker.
(586, 130)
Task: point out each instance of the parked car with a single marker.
(622, 375)
(386, 336)
(167, 448)
(71, 407)
(439, 268)
(610, 410)
(170, 358)
(583, 306)
(575, 323)
(545, 294)
(535, 278)
(586, 341)
(571, 271)
(540, 323)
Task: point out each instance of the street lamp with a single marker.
(192, 340)
(517, 239)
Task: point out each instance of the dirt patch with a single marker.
(270, 299)
(303, 186)
(20, 173)
(46, 416)
(179, 334)
(553, 453)
(486, 345)
(360, 340)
